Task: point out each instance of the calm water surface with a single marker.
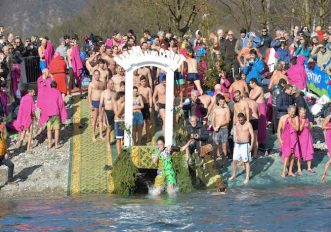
(277, 209)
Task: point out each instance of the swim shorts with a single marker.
(42, 65)
(179, 79)
(145, 112)
(137, 119)
(241, 152)
(53, 123)
(95, 104)
(119, 132)
(221, 136)
(161, 106)
(192, 76)
(109, 117)
(255, 124)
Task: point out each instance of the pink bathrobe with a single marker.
(262, 131)
(25, 113)
(297, 74)
(328, 138)
(4, 98)
(290, 142)
(44, 85)
(15, 77)
(76, 62)
(55, 105)
(49, 53)
(306, 142)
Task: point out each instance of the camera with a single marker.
(194, 136)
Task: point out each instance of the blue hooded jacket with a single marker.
(254, 70)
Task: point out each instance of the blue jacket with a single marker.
(283, 54)
(254, 70)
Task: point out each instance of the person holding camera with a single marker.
(198, 136)
(254, 67)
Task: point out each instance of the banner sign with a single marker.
(318, 81)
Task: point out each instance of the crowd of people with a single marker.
(233, 117)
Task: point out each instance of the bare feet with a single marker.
(300, 173)
(283, 175)
(102, 138)
(232, 178)
(291, 174)
(311, 170)
(93, 139)
(246, 181)
(58, 146)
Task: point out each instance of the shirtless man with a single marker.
(92, 61)
(159, 99)
(146, 94)
(192, 72)
(104, 74)
(119, 107)
(240, 106)
(217, 90)
(118, 78)
(238, 84)
(257, 95)
(220, 122)
(206, 100)
(254, 120)
(144, 71)
(136, 78)
(107, 100)
(107, 56)
(95, 89)
(41, 53)
(242, 148)
(276, 76)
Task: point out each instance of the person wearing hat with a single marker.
(62, 48)
(241, 41)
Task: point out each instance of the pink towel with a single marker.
(25, 112)
(290, 142)
(76, 62)
(15, 77)
(49, 53)
(306, 142)
(262, 133)
(44, 85)
(269, 108)
(297, 74)
(4, 98)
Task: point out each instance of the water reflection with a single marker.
(240, 209)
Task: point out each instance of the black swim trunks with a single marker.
(255, 124)
(161, 106)
(110, 117)
(145, 112)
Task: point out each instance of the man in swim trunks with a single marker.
(242, 148)
(220, 121)
(240, 106)
(146, 94)
(192, 72)
(41, 53)
(138, 121)
(95, 89)
(159, 99)
(119, 108)
(107, 100)
(254, 120)
(144, 71)
(104, 74)
(118, 78)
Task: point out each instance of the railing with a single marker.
(32, 69)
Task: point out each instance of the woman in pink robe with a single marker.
(15, 77)
(305, 139)
(327, 128)
(24, 121)
(288, 140)
(44, 84)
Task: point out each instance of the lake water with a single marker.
(277, 209)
